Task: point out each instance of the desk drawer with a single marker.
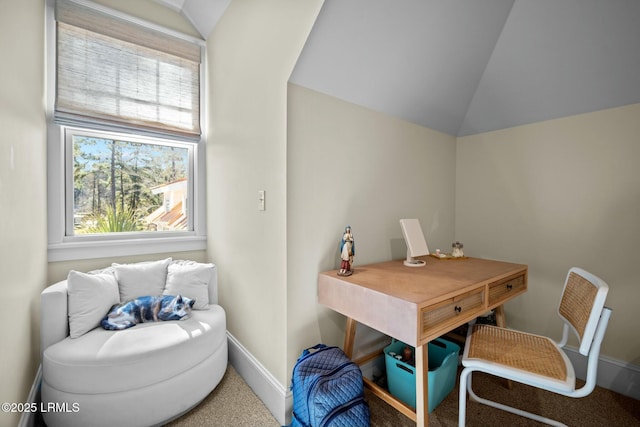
(504, 289)
(438, 316)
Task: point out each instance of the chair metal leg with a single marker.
(462, 403)
(465, 386)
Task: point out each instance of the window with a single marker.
(126, 184)
(126, 156)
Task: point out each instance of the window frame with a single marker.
(62, 247)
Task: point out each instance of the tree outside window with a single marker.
(128, 186)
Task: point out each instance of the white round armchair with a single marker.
(142, 376)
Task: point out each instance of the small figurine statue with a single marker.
(347, 251)
(456, 251)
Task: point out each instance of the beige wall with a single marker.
(553, 195)
(60, 270)
(23, 246)
(348, 165)
(251, 53)
(23, 249)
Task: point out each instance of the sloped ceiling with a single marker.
(464, 67)
(203, 14)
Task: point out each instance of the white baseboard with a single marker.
(28, 418)
(277, 398)
(613, 374)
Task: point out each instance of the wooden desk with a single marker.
(418, 304)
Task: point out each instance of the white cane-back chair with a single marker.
(537, 360)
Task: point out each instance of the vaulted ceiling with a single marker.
(203, 14)
(468, 66)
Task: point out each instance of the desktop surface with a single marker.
(414, 304)
(434, 281)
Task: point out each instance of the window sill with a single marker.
(68, 251)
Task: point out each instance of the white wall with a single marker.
(553, 195)
(251, 53)
(23, 247)
(348, 165)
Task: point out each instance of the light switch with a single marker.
(261, 200)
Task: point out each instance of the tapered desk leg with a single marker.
(500, 317)
(422, 385)
(501, 320)
(349, 337)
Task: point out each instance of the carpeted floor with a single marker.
(233, 403)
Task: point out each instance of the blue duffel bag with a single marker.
(327, 390)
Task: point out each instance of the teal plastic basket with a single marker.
(443, 365)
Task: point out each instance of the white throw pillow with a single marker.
(90, 297)
(142, 278)
(190, 280)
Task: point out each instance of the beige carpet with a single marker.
(233, 403)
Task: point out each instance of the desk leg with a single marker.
(500, 317)
(349, 337)
(422, 385)
(501, 321)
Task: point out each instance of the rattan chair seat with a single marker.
(531, 353)
(536, 360)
